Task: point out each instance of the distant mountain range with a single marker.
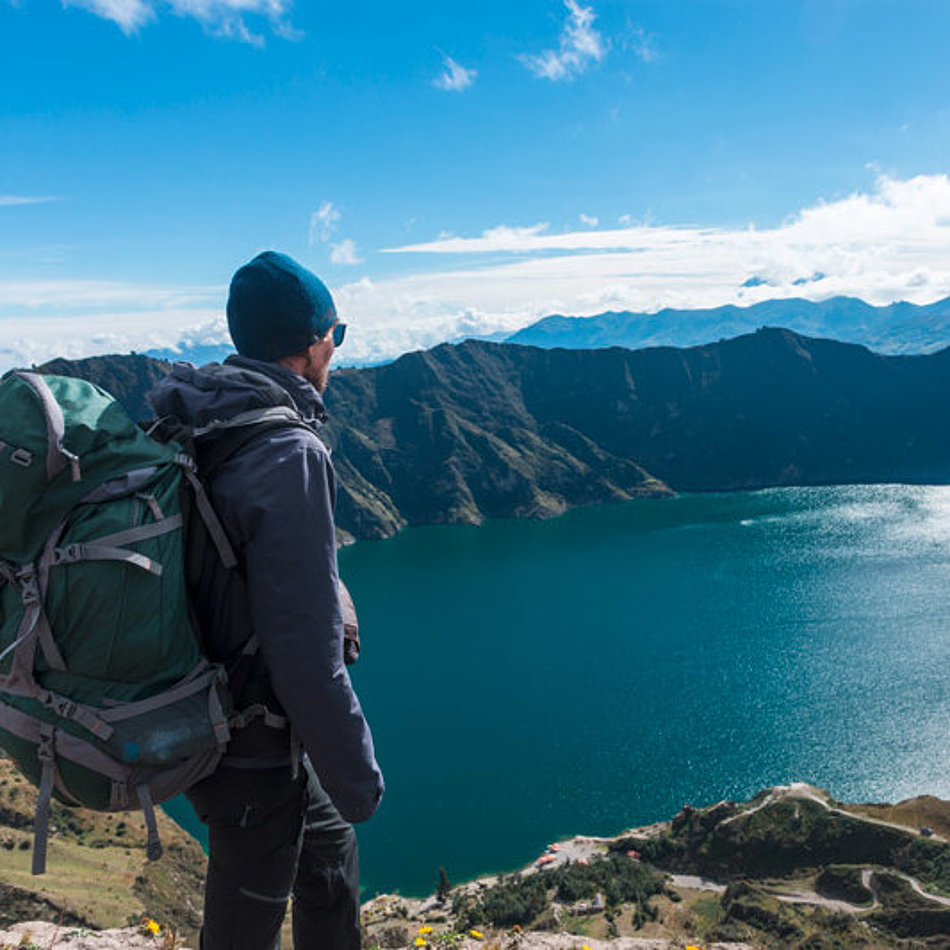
(477, 430)
(897, 328)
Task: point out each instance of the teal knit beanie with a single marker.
(277, 308)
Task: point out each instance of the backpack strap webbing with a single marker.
(257, 711)
(46, 753)
(207, 514)
(215, 445)
(153, 847)
(33, 626)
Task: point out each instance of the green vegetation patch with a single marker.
(842, 882)
(522, 899)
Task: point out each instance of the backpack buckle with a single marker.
(67, 555)
(63, 707)
(29, 586)
(46, 747)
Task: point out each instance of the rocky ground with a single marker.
(40, 935)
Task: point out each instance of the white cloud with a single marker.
(580, 47)
(129, 15)
(643, 45)
(7, 201)
(625, 219)
(226, 18)
(456, 77)
(588, 220)
(345, 253)
(323, 222)
(501, 238)
(891, 242)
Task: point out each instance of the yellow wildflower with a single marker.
(477, 934)
(425, 930)
(420, 941)
(692, 946)
(153, 926)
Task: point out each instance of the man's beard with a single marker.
(317, 374)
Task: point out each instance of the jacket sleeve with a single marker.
(289, 543)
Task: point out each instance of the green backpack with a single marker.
(106, 697)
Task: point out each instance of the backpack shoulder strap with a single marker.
(216, 443)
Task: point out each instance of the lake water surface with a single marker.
(529, 680)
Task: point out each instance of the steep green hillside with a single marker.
(98, 876)
(481, 430)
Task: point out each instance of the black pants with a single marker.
(271, 836)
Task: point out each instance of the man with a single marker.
(277, 826)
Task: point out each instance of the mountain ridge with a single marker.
(900, 327)
(476, 430)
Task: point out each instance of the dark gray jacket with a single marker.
(275, 498)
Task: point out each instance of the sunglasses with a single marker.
(339, 331)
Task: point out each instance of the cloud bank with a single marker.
(889, 243)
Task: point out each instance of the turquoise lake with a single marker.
(530, 680)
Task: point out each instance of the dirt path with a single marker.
(916, 885)
(816, 900)
(695, 883)
(802, 790)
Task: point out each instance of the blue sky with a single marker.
(462, 168)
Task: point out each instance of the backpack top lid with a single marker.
(61, 438)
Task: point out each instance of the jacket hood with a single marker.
(200, 395)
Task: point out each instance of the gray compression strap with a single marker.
(153, 848)
(144, 532)
(250, 418)
(20, 678)
(77, 712)
(66, 746)
(219, 720)
(121, 486)
(93, 551)
(54, 658)
(215, 530)
(188, 687)
(57, 456)
(46, 754)
(257, 711)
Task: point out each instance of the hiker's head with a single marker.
(314, 362)
(281, 312)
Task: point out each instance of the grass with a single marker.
(97, 871)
